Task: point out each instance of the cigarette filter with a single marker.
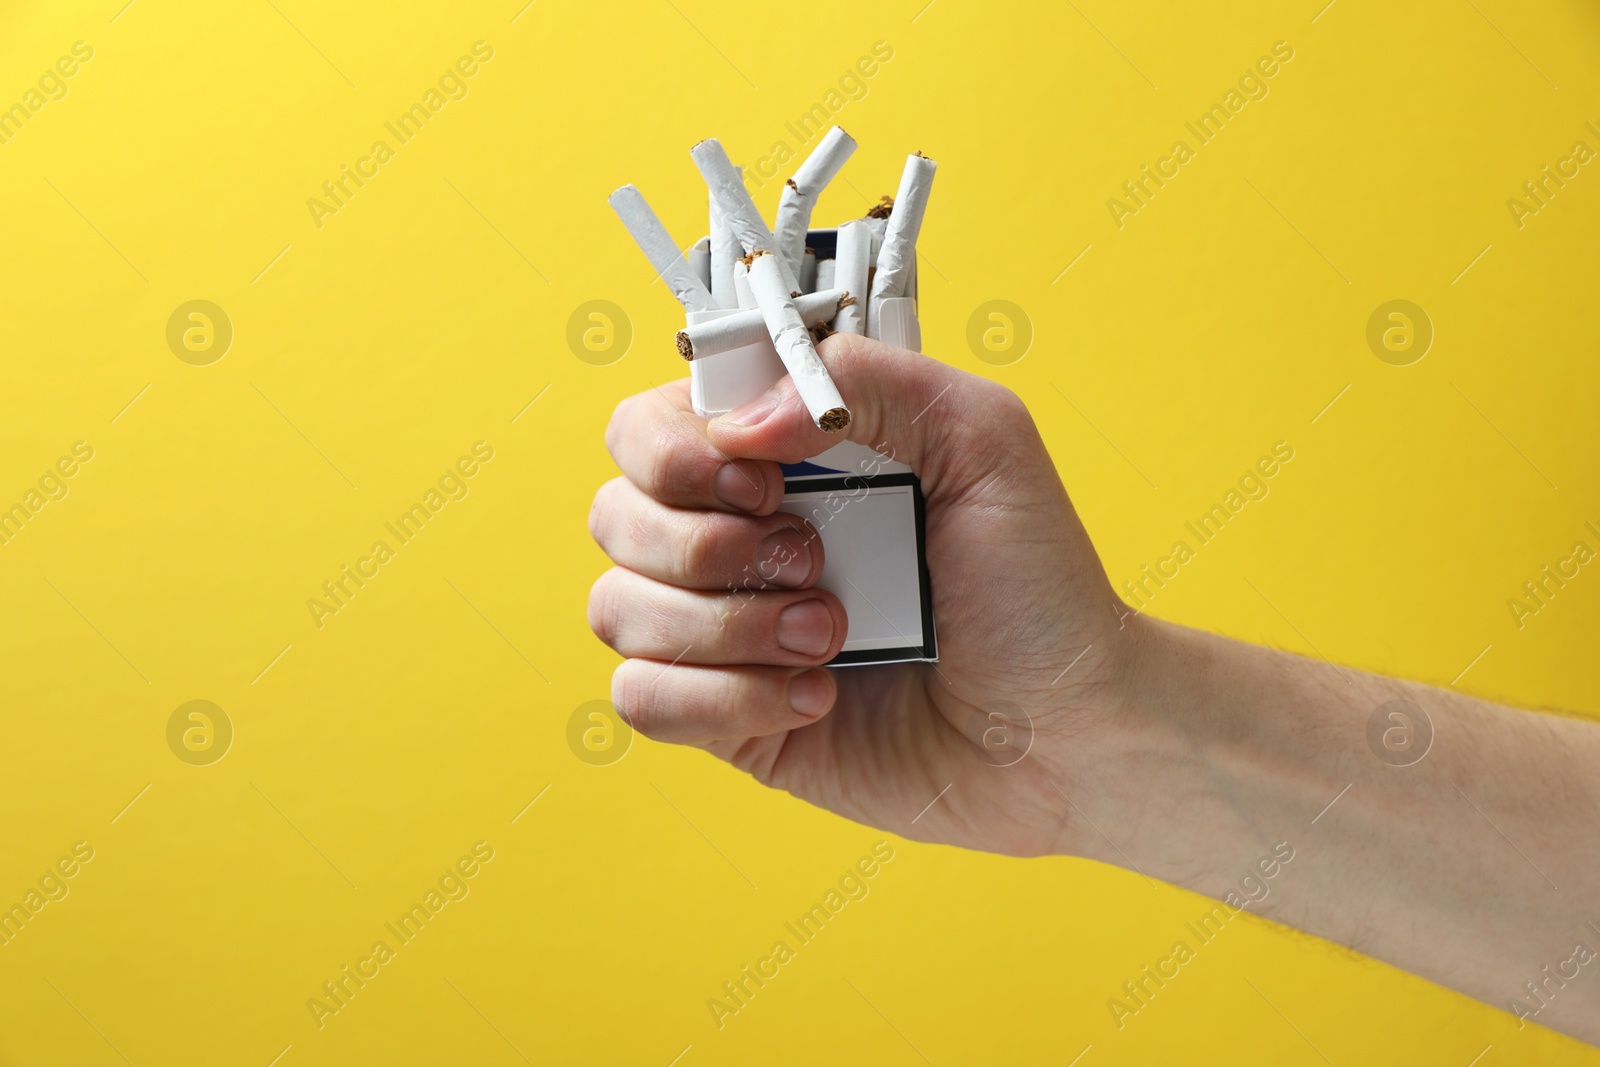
(800, 193)
(715, 336)
(793, 342)
(658, 247)
(738, 210)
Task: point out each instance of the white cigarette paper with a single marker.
(744, 298)
(724, 253)
(850, 273)
(749, 327)
(700, 261)
(800, 193)
(738, 210)
(808, 272)
(897, 257)
(824, 274)
(877, 220)
(793, 342)
(875, 227)
(665, 256)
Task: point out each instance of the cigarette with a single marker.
(665, 256)
(738, 210)
(824, 274)
(897, 258)
(725, 252)
(749, 327)
(877, 220)
(793, 342)
(700, 261)
(808, 272)
(800, 193)
(876, 227)
(744, 298)
(850, 273)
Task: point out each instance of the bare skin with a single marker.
(1477, 866)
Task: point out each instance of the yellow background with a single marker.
(427, 314)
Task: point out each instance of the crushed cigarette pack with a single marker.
(750, 322)
(866, 506)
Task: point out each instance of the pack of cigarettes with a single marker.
(757, 301)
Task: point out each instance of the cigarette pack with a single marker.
(866, 506)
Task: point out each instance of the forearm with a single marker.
(1477, 865)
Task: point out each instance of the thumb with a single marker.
(946, 424)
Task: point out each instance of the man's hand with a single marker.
(1018, 595)
(1182, 755)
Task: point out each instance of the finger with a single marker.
(907, 406)
(695, 705)
(703, 549)
(639, 616)
(660, 444)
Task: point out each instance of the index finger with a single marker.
(660, 445)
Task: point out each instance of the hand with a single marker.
(1018, 596)
(1182, 755)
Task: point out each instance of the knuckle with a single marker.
(621, 418)
(639, 528)
(844, 349)
(700, 547)
(670, 473)
(636, 696)
(630, 696)
(1003, 415)
(723, 612)
(725, 690)
(606, 609)
(1005, 399)
(993, 398)
(620, 521)
(600, 514)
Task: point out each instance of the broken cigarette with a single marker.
(743, 297)
(850, 273)
(749, 327)
(738, 210)
(875, 227)
(725, 252)
(800, 193)
(666, 257)
(700, 262)
(793, 342)
(897, 258)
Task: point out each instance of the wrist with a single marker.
(1195, 773)
(1133, 754)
